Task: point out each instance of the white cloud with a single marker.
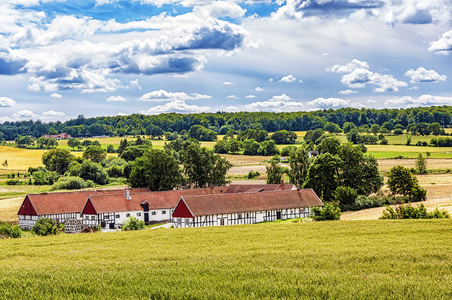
(329, 102)
(250, 97)
(424, 100)
(134, 84)
(178, 106)
(259, 89)
(443, 45)
(162, 95)
(25, 114)
(52, 113)
(276, 104)
(56, 95)
(347, 92)
(280, 98)
(116, 99)
(220, 9)
(232, 97)
(422, 75)
(349, 67)
(228, 83)
(6, 102)
(288, 78)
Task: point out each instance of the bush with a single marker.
(45, 226)
(14, 182)
(252, 175)
(132, 223)
(328, 212)
(45, 177)
(72, 183)
(345, 195)
(9, 231)
(411, 212)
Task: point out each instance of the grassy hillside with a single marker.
(328, 260)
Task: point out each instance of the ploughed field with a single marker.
(384, 259)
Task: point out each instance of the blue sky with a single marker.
(60, 59)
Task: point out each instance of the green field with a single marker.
(409, 259)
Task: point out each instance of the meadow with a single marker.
(382, 259)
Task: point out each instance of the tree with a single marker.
(133, 152)
(233, 146)
(95, 153)
(353, 136)
(74, 143)
(275, 172)
(330, 144)
(41, 142)
(250, 147)
(89, 170)
(203, 167)
(299, 166)
(5, 163)
(324, 176)
(331, 127)
(313, 135)
(220, 147)
(23, 141)
(158, 170)
(421, 164)
(86, 143)
(45, 226)
(57, 160)
(51, 143)
(345, 195)
(268, 148)
(284, 137)
(348, 126)
(375, 129)
(401, 181)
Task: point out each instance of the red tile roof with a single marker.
(157, 200)
(67, 202)
(247, 202)
(252, 188)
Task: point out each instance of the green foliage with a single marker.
(110, 149)
(45, 177)
(275, 172)
(330, 144)
(402, 181)
(284, 137)
(158, 170)
(250, 147)
(89, 170)
(45, 226)
(57, 160)
(74, 143)
(132, 223)
(201, 133)
(345, 195)
(287, 150)
(233, 146)
(421, 164)
(329, 212)
(72, 183)
(268, 148)
(299, 166)
(252, 175)
(131, 153)
(9, 231)
(95, 153)
(23, 141)
(324, 176)
(313, 135)
(256, 134)
(412, 212)
(220, 147)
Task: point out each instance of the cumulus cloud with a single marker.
(443, 45)
(7, 102)
(422, 75)
(56, 95)
(329, 102)
(116, 99)
(276, 104)
(178, 106)
(25, 114)
(359, 76)
(347, 92)
(250, 96)
(232, 97)
(288, 78)
(228, 83)
(52, 113)
(259, 89)
(162, 95)
(220, 9)
(424, 100)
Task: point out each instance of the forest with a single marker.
(221, 122)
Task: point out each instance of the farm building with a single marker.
(60, 136)
(249, 188)
(243, 208)
(57, 206)
(110, 211)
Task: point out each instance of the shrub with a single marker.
(44, 177)
(411, 212)
(328, 212)
(252, 175)
(14, 182)
(10, 231)
(45, 226)
(72, 183)
(345, 195)
(132, 223)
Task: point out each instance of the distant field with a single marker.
(383, 259)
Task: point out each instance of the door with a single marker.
(102, 224)
(146, 217)
(221, 222)
(278, 215)
(112, 225)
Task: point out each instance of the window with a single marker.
(153, 213)
(163, 212)
(240, 216)
(127, 215)
(138, 214)
(93, 218)
(247, 215)
(118, 216)
(106, 217)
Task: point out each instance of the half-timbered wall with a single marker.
(26, 221)
(241, 218)
(158, 215)
(111, 220)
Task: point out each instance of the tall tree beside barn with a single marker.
(299, 166)
(57, 160)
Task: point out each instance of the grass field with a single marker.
(383, 259)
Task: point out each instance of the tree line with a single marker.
(221, 122)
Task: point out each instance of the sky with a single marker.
(60, 59)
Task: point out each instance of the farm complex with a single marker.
(229, 205)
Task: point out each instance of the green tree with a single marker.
(89, 170)
(158, 170)
(74, 143)
(401, 181)
(220, 147)
(330, 144)
(132, 223)
(299, 166)
(313, 135)
(331, 127)
(250, 147)
(203, 167)
(329, 212)
(233, 146)
(421, 164)
(268, 148)
(348, 126)
(375, 129)
(133, 152)
(275, 172)
(51, 143)
(57, 160)
(95, 153)
(86, 143)
(41, 142)
(345, 195)
(324, 175)
(284, 137)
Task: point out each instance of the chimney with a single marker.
(282, 182)
(127, 194)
